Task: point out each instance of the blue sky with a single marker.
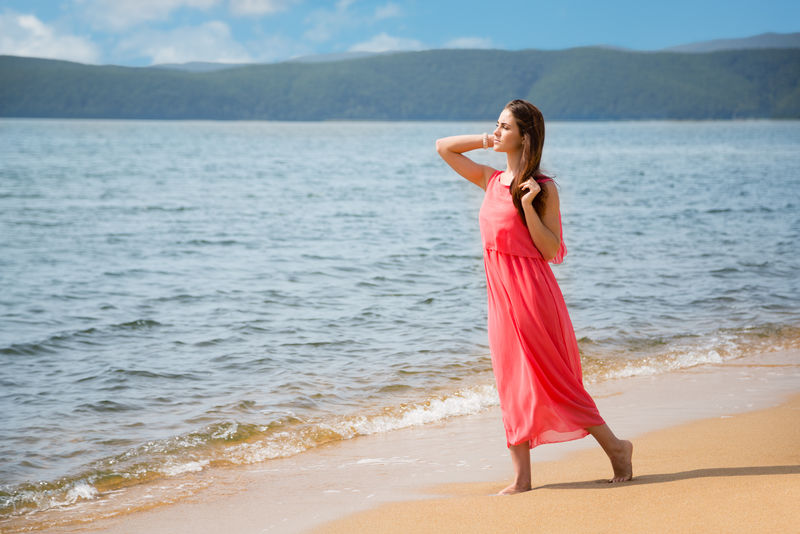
(146, 32)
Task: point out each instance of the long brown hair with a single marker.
(531, 127)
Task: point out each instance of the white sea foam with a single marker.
(288, 443)
(278, 445)
(80, 491)
(464, 402)
(187, 467)
(226, 431)
(655, 366)
(715, 350)
(44, 500)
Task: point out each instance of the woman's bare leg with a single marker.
(619, 451)
(521, 458)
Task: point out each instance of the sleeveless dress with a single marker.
(534, 350)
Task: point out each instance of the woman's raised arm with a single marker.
(452, 149)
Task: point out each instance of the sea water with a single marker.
(181, 295)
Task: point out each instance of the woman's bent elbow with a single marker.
(551, 252)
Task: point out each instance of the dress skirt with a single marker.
(534, 353)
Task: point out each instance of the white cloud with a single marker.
(469, 42)
(211, 41)
(387, 11)
(325, 23)
(259, 7)
(117, 15)
(26, 35)
(386, 43)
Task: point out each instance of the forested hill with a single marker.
(581, 83)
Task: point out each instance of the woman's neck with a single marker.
(513, 163)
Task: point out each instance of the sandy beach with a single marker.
(728, 474)
(717, 447)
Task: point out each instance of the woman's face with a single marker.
(507, 136)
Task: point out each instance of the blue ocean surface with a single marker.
(181, 295)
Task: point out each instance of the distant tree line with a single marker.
(574, 84)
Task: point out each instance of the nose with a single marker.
(496, 132)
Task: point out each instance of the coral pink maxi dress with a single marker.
(534, 351)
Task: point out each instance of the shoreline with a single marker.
(368, 474)
(741, 475)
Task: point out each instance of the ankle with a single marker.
(522, 483)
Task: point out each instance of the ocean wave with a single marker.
(211, 242)
(54, 343)
(137, 324)
(290, 441)
(106, 406)
(236, 443)
(28, 349)
(46, 498)
(655, 356)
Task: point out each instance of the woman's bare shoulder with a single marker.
(549, 187)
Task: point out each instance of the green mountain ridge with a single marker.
(573, 84)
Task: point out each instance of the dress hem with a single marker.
(536, 443)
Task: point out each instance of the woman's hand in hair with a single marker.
(531, 188)
(545, 229)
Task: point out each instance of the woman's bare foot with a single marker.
(514, 488)
(521, 458)
(622, 462)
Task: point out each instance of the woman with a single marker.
(534, 351)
